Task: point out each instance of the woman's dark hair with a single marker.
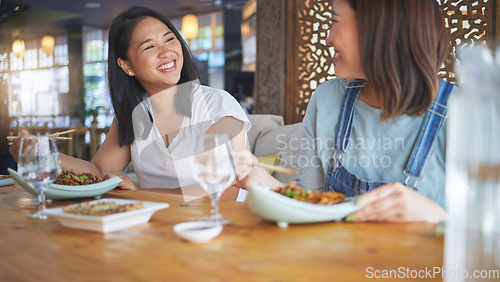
(126, 92)
(403, 44)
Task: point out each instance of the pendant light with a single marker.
(18, 48)
(48, 43)
(190, 26)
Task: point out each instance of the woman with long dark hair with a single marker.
(159, 104)
(377, 130)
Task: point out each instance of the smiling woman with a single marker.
(387, 91)
(150, 68)
(155, 56)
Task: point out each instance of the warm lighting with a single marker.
(190, 26)
(48, 43)
(18, 48)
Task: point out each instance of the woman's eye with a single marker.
(149, 47)
(170, 39)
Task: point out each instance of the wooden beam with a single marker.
(496, 18)
(270, 69)
(291, 62)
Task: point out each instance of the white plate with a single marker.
(108, 223)
(284, 210)
(56, 192)
(5, 180)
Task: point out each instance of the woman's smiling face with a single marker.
(343, 37)
(154, 57)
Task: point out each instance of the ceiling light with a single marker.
(18, 48)
(48, 43)
(190, 26)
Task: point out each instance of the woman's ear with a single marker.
(125, 67)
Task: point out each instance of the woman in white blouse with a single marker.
(159, 107)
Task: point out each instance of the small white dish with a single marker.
(198, 231)
(6, 180)
(108, 223)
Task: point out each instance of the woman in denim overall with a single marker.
(390, 52)
(338, 179)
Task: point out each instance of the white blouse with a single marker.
(159, 166)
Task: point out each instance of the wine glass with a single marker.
(38, 165)
(214, 169)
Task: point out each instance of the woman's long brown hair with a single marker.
(403, 44)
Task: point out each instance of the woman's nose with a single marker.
(164, 51)
(329, 39)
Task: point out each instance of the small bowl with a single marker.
(198, 231)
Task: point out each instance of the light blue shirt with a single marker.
(377, 151)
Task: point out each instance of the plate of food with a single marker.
(106, 215)
(72, 185)
(292, 204)
(6, 180)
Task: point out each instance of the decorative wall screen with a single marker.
(315, 58)
(470, 22)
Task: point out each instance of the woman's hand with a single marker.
(14, 148)
(126, 184)
(258, 175)
(248, 173)
(244, 160)
(395, 202)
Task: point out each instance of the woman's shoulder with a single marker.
(210, 93)
(212, 104)
(216, 102)
(330, 90)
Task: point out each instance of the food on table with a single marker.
(5, 177)
(73, 179)
(294, 191)
(102, 208)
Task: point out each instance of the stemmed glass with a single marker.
(38, 165)
(214, 169)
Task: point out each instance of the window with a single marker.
(37, 80)
(95, 75)
(208, 47)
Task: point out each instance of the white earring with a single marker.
(129, 73)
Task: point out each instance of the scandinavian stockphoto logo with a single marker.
(380, 150)
(165, 162)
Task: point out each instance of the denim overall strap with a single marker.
(429, 130)
(346, 115)
(338, 178)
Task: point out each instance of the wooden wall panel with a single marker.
(270, 69)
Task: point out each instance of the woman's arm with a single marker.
(111, 158)
(75, 164)
(311, 174)
(234, 128)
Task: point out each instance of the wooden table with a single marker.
(249, 249)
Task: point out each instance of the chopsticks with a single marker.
(276, 168)
(56, 135)
(63, 132)
(58, 138)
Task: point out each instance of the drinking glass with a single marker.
(38, 165)
(214, 169)
(472, 237)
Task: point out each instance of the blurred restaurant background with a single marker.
(269, 54)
